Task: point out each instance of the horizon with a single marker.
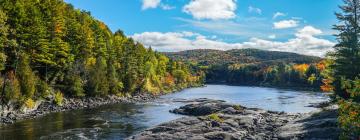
(173, 26)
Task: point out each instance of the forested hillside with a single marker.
(255, 67)
(49, 49)
(216, 57)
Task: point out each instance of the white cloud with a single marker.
(255, 10)
(305, 42)
(211, 9)
(272, 36)
(148, 4)
(151, 4)
(174, 41)
(309, 31)
(286, 24)
(166, 7)
(278, 14)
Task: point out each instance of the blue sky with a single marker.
(301, 26)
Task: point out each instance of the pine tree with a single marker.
(115, 85)
(347, 51)
(26, 76)
(98, 84)
(345, 69)
(74, 84)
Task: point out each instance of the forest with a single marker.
(254, 67)
(49, 49)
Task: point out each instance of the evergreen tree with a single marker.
(74, 84)
(347, 51)
(345, 69)
(26, 76)
(98, 84)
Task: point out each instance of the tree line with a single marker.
(281, 75)
(253, 67)
(49, 49)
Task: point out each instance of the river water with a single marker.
(122, 120)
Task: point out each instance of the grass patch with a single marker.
(215, 117)
(59, 98)
(237, 107)
(29, 103)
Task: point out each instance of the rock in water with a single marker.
(217, 120)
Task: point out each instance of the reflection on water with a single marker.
(122, 120)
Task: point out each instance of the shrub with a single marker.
(42, 89)
(59, 97)
(12, 87)
(237, 107)
(215, 117)
(77, 87)
(29, 103)
(349, 119)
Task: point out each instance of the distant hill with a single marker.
(208, 57)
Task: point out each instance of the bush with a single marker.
(237, 107)
(29, 103)
(349, 119)
(12, 87)
(42, 89)
(215, 117)
(59, 97)
(76, 88)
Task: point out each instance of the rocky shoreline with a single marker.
(9, 115)
(216, 120)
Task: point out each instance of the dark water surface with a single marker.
(122, 120)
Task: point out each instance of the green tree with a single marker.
(347, 51)
(115, 85)
(74, 84)
(26, 76)
(98, 84)
(346, 68)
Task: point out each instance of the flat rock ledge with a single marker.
(216, 120)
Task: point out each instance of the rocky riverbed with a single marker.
(218, 120)
(9, 115)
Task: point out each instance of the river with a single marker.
(122, 120)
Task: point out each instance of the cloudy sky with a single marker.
(301, 26)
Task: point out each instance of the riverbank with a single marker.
(215, 119)
(9, 115)
(285, 87)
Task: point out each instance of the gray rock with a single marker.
(202, 107)
(241, 123)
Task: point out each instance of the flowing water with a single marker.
(122, 120)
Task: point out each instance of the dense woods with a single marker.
(256, 67)
(48, 49)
